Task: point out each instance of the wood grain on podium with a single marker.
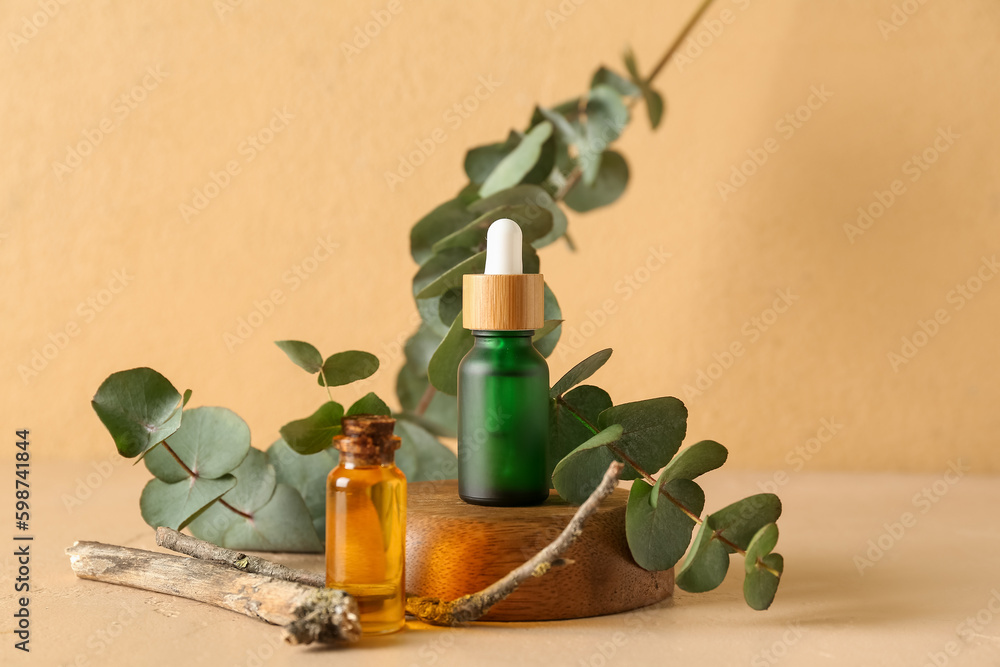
(453, 549)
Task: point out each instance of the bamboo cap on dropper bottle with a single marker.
(503, 298)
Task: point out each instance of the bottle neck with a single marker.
(503, 339)
(357, 460)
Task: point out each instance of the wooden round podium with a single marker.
(453, 549)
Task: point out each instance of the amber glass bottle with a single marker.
(366, 522)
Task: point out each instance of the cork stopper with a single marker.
(496, 302)
(367, 438)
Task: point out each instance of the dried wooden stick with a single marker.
(465, 609)
(192, 546)
(308, 614)
(470, 607)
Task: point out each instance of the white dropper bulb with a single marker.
(503, 248)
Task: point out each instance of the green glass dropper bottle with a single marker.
(503, 382)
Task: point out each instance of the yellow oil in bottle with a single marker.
(365, 528)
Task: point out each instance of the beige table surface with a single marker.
(908, 608)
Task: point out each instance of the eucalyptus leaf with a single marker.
(449, 306)
(411, 383)
(696, 460)
(434, 226)
(577, 474)
(658, 533)
(282, 524)
(761, 584)
(185, 398)
(441, 415)
(525, 194)
(609, 183)
(211, 442)
(421, 456)
(534, 221)
(632, 67)
(448, 278)
(607, 116)
(482, 160)
(419, 348)
(347, 367)
(654, 430)
(623, 86)
(564, 129)
(443, 367)
(539, 338)
(740, 521)
(315, 432)
(706, 563)
(534, 199)
(174, 505)
(305, 474)
(546, 338)
(302, 354)
(580, 372)
(431, 316)
(139, 407)
(654, 106)
(761, 544)
(567, 415)
(369, 404)
(546, 161)
(468, 194)
(559, 222)
(255, 482)
(516, 164)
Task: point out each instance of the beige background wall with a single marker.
(221, 76)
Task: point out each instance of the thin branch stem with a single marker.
(425, 400)
(571, 180)
(761, 563)
(579, 417)
(692, 22)
(233, 509)
(326, 385)
(191, 473)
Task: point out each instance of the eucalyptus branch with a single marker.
(648, 478)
